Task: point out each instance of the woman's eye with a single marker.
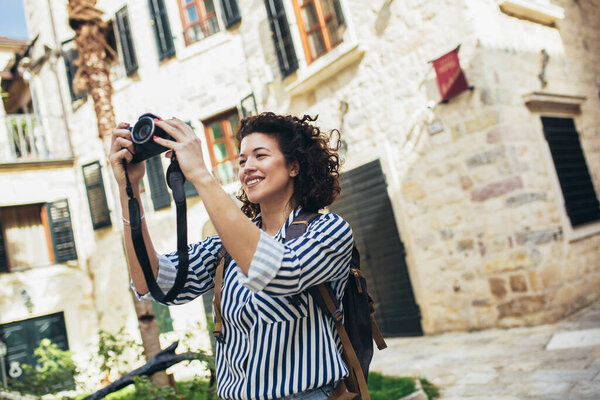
(242, 162)
(260, 155)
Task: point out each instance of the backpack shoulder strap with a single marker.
(223, 261)
(298, 227)
(356, 380)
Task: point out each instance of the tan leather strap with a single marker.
(356, 381)
(341, 393)
(218, 332)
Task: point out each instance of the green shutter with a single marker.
(126, 41)
(63, 242)
(158, 185)
(282, 38)
(231, 12)
(163, 317)
(23, 337)
(94, 186)
(162, 29)
(69, 56)
(190, 190)
(3, 258)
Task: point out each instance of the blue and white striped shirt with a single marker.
(273, 347)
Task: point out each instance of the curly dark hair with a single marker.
(316, 186)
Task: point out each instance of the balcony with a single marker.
(27, 138)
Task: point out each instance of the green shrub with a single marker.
(430, 389)
(387, 388)
(54, 371)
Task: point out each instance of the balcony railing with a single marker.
(29, 138)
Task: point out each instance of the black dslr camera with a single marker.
(142, 133)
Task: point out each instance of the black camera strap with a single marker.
(175, 180)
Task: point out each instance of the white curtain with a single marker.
(25, 236)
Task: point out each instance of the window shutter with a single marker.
(158, 185)
(337, 7)
(162, 29)
(3, 258)
(69, 56)
(231, 12)
(163, 317)
(59, 220)
(282, 38)
(190, 190)
(581, 202)
(94, 186)
(126, 41)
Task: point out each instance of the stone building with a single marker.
(473, 213)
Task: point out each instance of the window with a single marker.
(70, 54)
(94, 186)
(126, 41)
(198, 18)
(321, 26)
(162, 29)
(222, 146)
(23, 337)
(35, 235)
(581, 202)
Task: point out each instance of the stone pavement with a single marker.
(557, 361)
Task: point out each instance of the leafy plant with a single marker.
(430, 389)
(116, 353)
(54, 371)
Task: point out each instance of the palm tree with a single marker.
(93, 76)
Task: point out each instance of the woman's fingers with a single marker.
(122, 143)
(169, 144)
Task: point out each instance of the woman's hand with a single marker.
(187, 146)
(122, 148)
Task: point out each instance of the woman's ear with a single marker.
(295, 169)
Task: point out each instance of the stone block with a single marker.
(509, 262)
(537, 237)
(464, 245)
(518, 283)
(535, 282)
(522, 305)
(498, 287)
(481, 122)
(496, 189)
(446, 234)
(524, 198)
(481, 303)
(413, 191)
(465, 182)
(486, 157)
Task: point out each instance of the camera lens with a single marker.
(142, 130)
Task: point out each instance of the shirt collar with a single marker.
(280, 235)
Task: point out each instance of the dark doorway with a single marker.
(365, 204)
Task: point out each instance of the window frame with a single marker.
(322, 20)
(228, 138)
(203, 19)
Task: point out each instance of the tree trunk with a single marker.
(93, 75)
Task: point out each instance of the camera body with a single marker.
(141, 134)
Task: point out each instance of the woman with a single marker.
(274, 348)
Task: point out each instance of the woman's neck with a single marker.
(272, 218)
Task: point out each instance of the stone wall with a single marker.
(477, 204)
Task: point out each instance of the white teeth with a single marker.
(253, 181)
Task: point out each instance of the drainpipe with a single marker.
(58, 83)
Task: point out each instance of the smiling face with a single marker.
(266, 177)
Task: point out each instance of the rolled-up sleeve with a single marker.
(322, 254)
(200, 276)
(265, 263)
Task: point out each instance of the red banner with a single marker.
(450, 77)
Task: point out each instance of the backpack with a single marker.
(356, 327)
